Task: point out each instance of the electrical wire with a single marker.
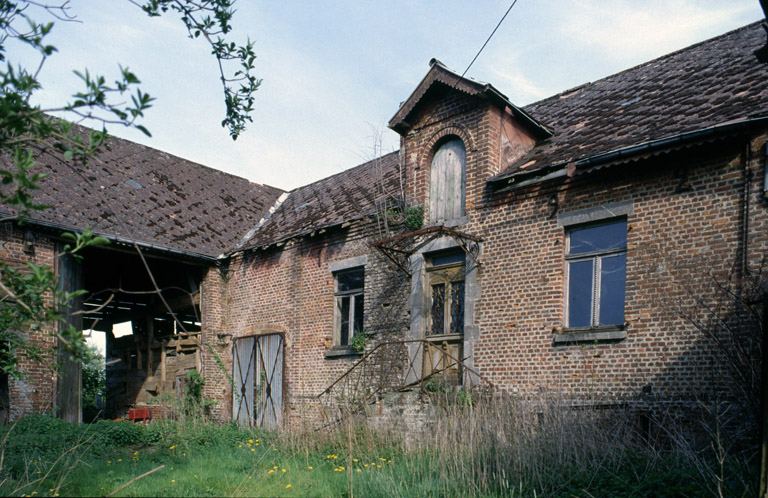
(489, 38)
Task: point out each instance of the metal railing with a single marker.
(391, 366)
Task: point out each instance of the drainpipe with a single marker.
(745, 220)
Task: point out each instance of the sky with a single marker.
(334, 73)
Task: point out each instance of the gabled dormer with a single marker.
(456, 134)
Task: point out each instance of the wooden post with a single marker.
(162, 364)
(764, 405)
(68, 392)
(150, 328)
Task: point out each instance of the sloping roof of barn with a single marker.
(132, 192)
(346, 196)
(705, 85)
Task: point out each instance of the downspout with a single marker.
(745, 221)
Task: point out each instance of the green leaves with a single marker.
(211, 19)
(30, 299)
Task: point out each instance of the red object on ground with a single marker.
(140, 414)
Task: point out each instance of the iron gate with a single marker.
(258, 376)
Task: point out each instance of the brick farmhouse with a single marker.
(578, 245)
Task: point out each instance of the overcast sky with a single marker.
(334, 73)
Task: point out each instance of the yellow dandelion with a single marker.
(274, 449)
(172, 447)
(341, 468)
(253, 449)
(389, 461)
(249, 477)
(135, 452)
(250, 440)
(173, 480)
(354, 459)
(287, 486)
(271, 471)
(383, 459)
(285, 470)
(309, 468)
(275, 467)
(365, 465)
(378, 466)
(256, 444)
(119, 459)
(183, 454)
(240, 446)
(358, 470)
(38, 472)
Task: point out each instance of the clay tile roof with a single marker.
(134, 192)
(710, 83)
(343, 197)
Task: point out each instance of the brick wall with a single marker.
(36, 391)
(290, 290)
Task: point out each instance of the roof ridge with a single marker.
(369, 162)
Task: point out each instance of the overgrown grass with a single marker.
(499, 448)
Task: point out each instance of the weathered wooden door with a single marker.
(258, 376)
(447, 179)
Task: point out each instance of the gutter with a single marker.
(126, 241)
(554, 171)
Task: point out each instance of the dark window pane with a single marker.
(580, 293)
(344, 322)
(612, 279)
(599, 238)
(448, 258)
(438, 309)
(358, 314)
(350, 280)
(457, 307)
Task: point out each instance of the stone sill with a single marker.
(598, 334)
(342, 352)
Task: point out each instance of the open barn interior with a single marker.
(160, 297)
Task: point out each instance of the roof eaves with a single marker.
(519, 179)
(441, 73)
(122, 240)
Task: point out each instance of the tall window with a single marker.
(447, 179)
(596, 261)
(446, 291)
(349, 305)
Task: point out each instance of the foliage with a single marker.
(94, 386)
(414, 217)
(222, 460)
(211, 19)
(30, 299)
(358, 341)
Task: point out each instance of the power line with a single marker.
(489, 38)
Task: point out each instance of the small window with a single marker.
(446, 292)
(349, 305)
(596, 261)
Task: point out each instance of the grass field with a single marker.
(42, 456)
